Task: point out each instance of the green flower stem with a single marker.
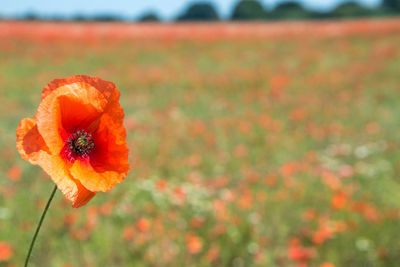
(39, 225)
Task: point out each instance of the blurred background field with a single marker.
(249, 146)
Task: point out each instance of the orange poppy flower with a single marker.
(6, 251)
(77, 137)
(194, 243)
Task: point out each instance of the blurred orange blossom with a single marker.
(6, 251)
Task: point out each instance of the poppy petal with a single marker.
(29, 141)
(105, 87)
(108, 165)
(93, 180)
(32, 148)
(110, 141)
(72, 189)
(58, 109)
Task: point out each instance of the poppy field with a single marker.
(249, 145)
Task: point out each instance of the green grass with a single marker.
(195, 115)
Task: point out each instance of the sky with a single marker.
(166, 9)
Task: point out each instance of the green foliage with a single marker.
(149, 17)
(106, 17)
(248, 10)
(350, 10)
(79, 17)
(199, 12)
(392, 5)
(289, 11)
(31, 16)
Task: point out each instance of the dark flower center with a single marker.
(81, 143)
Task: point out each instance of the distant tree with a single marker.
(79, 17)
(56, 18)
(248, 10)
(149, 17)
(106, 17)
(393, 5)
(202, 11)
(30, 15)
(319, 15)
(350, 10)
(289, 10)
(98, 17)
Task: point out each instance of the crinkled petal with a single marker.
(72, 189)
(66, 109)
(108, 164)
(31, 146)
(93, 180)
(29, 141)
(105, 87)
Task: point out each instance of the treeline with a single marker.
(287, 10)
(247, 10)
